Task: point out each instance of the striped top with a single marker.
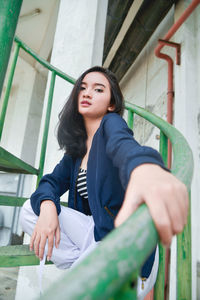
(82, 183)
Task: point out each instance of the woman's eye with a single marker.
(99, 90)
(82, 88)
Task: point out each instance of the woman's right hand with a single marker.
(47, 227)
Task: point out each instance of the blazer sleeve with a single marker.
(125, 152)
(53, 185)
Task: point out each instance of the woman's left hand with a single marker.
(165, 196)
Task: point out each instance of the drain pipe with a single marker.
(161, 44)
(170, 91)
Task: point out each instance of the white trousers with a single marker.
(77, 241)
(76, 234)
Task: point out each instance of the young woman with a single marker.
(120, 174)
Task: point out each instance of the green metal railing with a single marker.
(182, 168)
(109, 271)
(54, 72)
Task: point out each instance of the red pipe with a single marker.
(178, 23)
(170, 90)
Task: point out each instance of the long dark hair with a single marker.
(71, 132)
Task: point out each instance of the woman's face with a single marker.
(94, 96)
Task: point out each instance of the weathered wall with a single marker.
(145, 84)
(142, 85)
(19, 102)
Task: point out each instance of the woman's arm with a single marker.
(45, 202)
(145, 179)
(124, 151)
(46, 228)
(165, 196)
(53, 186)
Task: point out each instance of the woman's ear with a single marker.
(111, 107)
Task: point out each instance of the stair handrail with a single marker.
(43, 62)
(183, 164)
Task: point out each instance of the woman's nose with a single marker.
(87, 93)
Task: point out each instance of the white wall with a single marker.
(145, 84)
(142, 86)
(18, 107)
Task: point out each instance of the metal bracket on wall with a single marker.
(174, 45)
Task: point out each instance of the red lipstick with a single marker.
(85, 103)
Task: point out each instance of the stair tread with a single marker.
(18, 201)
(12, 200)
(12, 164)
(18, 255)
(18, 250)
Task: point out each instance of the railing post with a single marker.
(163, 147)
(9, 13)
(184, 273)
(46, 126)
(159, 290)
(130, 119)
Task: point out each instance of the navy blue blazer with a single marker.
(113, 155)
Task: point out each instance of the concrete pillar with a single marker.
(77, 36)
(78, 45)
(187, 117)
